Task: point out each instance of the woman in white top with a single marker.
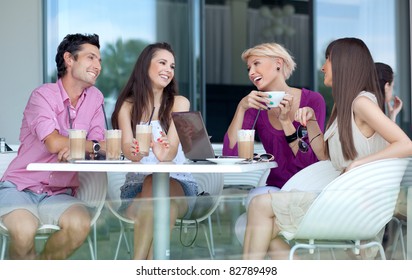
(152, 85)
(358, 132)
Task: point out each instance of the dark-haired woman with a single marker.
(152, 85)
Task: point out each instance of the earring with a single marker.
(278, 68)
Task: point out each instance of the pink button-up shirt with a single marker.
(48, 110)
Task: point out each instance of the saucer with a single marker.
(231, 160)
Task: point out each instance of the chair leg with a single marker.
(122, 236)
(219, 225)
(212, 243)
(402, 242)
(119, 242)
(95, 241)
(398, 229)
(3, 247)
(91, 247)
(209, 245)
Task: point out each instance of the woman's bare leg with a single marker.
(259, 227)
(279, 249)
(142, 211)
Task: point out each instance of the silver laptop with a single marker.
(193, 135)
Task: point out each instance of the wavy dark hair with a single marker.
(72, 43)
(353, 71)
(139, 91)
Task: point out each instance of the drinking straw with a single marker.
(151, 115)
(253, 126)
(105, 119)
(70, 118)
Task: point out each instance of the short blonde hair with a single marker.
(273, 50)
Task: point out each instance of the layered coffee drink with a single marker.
(113, 144)
(77, 142)
(245, 143)
(144, 138)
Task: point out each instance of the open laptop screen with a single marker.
(193, 135)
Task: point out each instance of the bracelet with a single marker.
(314, 138)
(311, 120)
(291, 138)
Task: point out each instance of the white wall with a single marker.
(21, 67)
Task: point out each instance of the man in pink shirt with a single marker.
(30, 198)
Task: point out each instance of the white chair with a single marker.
(314, 176)
(211, 183)
(351, 210)
(399, 221)
(92, 190)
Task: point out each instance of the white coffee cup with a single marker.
(274, 98)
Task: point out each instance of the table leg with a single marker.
(161, 227)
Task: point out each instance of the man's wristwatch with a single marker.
(96, 146)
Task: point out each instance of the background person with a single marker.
(353, 137)
(152, 84)
(30, 198)
(386, 84)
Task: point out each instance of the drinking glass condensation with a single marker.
(245, 143)
(77, 142)
(113, 144)
(144, 137)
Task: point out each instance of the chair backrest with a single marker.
(254, 179)
(92, 190)
(356, 205)
(407, 177)
(114, 182)
(211, 183)
(312, 178)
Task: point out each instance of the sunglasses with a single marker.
(302, 133)
(263, 157)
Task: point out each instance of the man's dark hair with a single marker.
(72, 43)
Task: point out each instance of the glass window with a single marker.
(234, 26)
(335, 19)
(125, 27)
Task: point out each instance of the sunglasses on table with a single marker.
(263, 157)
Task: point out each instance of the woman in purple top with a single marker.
(269, 66)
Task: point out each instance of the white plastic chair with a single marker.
(92, 190)
(211, 183)
(400, 218)
(314, 176)
(352, 208)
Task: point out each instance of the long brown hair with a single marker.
(139, 91)
(353, 71)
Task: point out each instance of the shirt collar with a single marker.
(65, 96)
